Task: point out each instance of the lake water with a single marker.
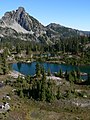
(29, 68)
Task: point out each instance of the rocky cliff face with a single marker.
(18, 23)
(22, 22)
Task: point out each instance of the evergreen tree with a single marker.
(38, 70)
(18, 49)
(74, 75)
(70, 78)
(28, 50)
(66, 75)
(58, 93)
(88, 80)
(78, 74)
(4, 65)
(60, 73)
(50, 95)
(49, 72)
(39, 89)
(21, 94)
(43, 86)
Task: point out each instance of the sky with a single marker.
(70, 13)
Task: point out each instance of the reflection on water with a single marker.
(29, 68)
(19, 65)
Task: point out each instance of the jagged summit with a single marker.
(10, 20)
(20, 9)
(21, 21)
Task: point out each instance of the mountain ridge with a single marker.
(21, 22)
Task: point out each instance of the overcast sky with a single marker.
(70, 13)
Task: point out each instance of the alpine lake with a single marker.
(29, 68)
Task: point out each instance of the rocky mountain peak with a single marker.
(21, 9)
(21, 21)
(19, 14)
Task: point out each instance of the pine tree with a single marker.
(66, 75)
(4, 65)
(43, 86)
(74, 75)
(39, 89)
(88, 80)
(78, 74)
(60, 73)
(38, 70)
(18, 49)
(49, 72)
(50, 95)
(58, 93)
(21, 94)
(28, 50)
(70, 78)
